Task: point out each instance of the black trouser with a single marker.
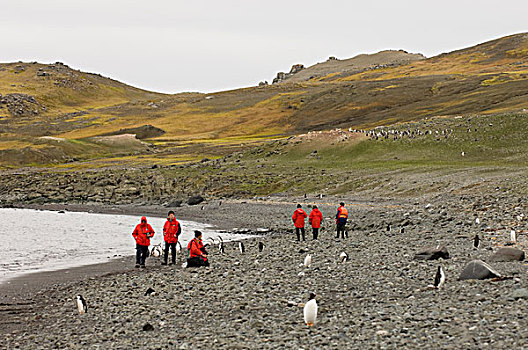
(341, 228)
(197, 262)
(315, 232)
(173, 252)
(141, 253)
(299, 230)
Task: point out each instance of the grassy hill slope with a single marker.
(77, 107)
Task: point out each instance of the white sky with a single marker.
(174, 46)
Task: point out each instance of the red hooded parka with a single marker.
(141, 231)
(171, 231)
(316, 217)
(298, 217)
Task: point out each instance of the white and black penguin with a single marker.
(241, 247)
(388, 228)
(439, 278)
(178, 247)
(343, 257)
(308, 261)
(310, 311)
(476, 242)
(156, 251)
(82, 307)
(261, 247)
(150, 292)
(513, 236)
(402, 229)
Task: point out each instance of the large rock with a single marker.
(175, 203)
(508, 254)
(478, 270)
(432, 253)
(194, 200)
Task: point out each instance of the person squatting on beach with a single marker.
(298, 221)
(315, 219)
(341, 219)
(197, 252)
(142, 234)
(171, 232)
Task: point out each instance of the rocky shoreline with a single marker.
(379, 299)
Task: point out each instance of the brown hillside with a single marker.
(361, 92)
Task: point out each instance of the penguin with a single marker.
(202, 208)
(477, 221)
(156, 251)
(221, 248)
(81, 305)
(439, 278)
(308, 261)
(476, 242)
(388, 228)
(178, 247)
(310, 311)
(343, 257)
(150, 292)
(241, 247)
(513, 236)
(261, 247)
(402, 229)
(305, 195)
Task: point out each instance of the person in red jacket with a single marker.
(142, 234)
(197, 252)
(315, 219)
(298, 221)
(171, 232)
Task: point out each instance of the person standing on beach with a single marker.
(197, 252)
(315, 219)
(171, 232)
(341, 219)
(142, 234)
(298, 221)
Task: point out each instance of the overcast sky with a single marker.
(174, 46)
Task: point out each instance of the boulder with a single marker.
(432, 253)
(508, 254)
(520, 293)
(194, 200)
(175, 204)
(478, 270)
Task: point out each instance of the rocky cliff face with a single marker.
(281, 76)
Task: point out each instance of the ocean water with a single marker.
(34, 240)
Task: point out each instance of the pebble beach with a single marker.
(378, 299)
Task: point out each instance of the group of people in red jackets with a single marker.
(316, 218)
(171, 232)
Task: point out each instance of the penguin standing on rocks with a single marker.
(150, 292)
(178, 247)
(82, 307)
(343, 257)
(388, 228)
(241, 247)
(308, 261)
(310, 311)
(402, 229)
(513, 236)
(261, 247)
(439, 278)
(476, 242)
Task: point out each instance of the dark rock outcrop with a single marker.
(432, 253)
(194, 200)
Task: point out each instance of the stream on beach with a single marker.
(38, 240)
